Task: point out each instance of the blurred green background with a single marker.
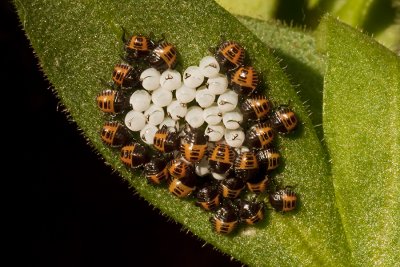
(379, 18)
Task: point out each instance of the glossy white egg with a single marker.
(177, 110)
(194, 116)
(161, 97)
(185, 94)
(218, 84)
(215, 132)
(204, 97)
(209, 66)
(140, 100)
(150, 79)
(232, 119)
(171, 79)
(147, 133)
(154, 115)
(228, 101)
(193, 77)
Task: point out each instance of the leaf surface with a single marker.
(361, 124)
(78, 43)
(298, 57)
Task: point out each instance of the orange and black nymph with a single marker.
(221, 158)
(245, 80)
(134, 155)
(156, 170)
(208, 197)
(283, 200)
(255, 108)
(231, 187)
(251, 212)
(246, 165)
(137, 47)
(229, 55)
(125, 76)
(115, 134)
(193, 145)
(164, 56)
(166, 141)
(284, 120)
(182, 179)
(112, 101)
(225, 219)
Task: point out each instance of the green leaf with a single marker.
(383, 22)
(361, 124)
(259, 9)
(300, 60)
(354, 12)
(379, 18)
(78, 43)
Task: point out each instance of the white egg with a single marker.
(177, 110)
(140, 100)
(154, 115)
(161, 97)
(234, 138)
(194, 116)
(228, 101)
(147, 133)
(185, 94)
(209, 66)
(215, 132)
(171, 79)
(135, 120)
(212, 115)
(218, 84)
(150, 79)
(232, 119)
(193, 77)
(204, 97)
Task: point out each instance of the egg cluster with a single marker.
(207, 133)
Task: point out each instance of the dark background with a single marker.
(74, 211)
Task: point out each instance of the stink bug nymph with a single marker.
(283, 200)
(194, 144)
(182, 187)
(179, 168)
(256, 108)
(225, 219)
(246, 165)
(137, 46)
(259, 136)
(165, 140)
(208, 197)
(221, 158)
(245, 80)
(231, 187)
(284, 120)
(134, 155)
(268, 159)
(125, 76)
(251, 212)
(258, 183)
(115, 134)
(156, 170)
(164, 56)
(112, 101)
(229, 55)
(182, 180)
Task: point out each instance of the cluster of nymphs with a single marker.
(207, 133)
